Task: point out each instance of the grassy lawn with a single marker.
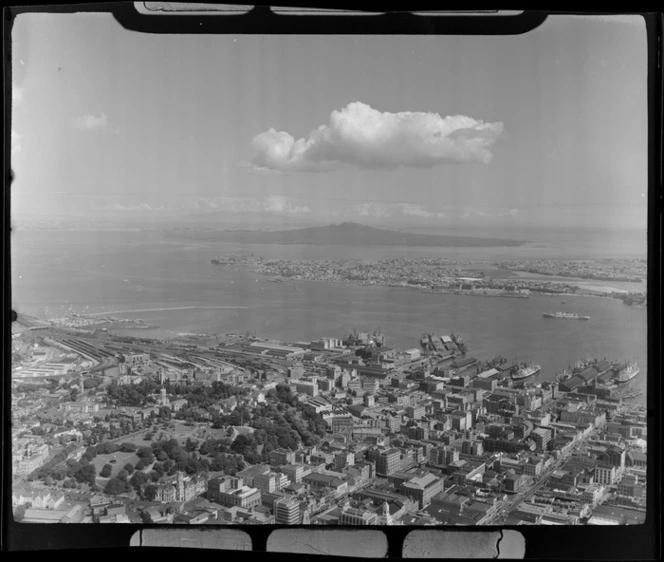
(179, 431)
(122, 458)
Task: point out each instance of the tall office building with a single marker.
(287, 511)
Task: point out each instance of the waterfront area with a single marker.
(412, 293)
(345, 430)
(467, 277)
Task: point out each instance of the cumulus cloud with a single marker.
(360, 136)
(373, 210)
(274, 204)
(419, 211)
(91, 122)
(144, 207)
(381, 210)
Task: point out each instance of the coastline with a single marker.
(272, 278)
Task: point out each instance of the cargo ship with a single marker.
(526, 371)
(627, 373)
(565, 315)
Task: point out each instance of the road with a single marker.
(514, 501)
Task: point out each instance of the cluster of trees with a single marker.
(71, 473)
(201, 400)
(241, 415)
(67, 471)
(230, 464)
(281, 423)
(19, 511)
(118, 484)
(181, 458)
(204, 396)
(222, 455)
(49, 466)
(132, 395)
(99, 434)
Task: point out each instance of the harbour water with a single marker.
(173, 285)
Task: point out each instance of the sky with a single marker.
(548, 128)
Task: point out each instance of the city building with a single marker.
(279, 457)
(230, 491)
(605, 474)
(422, 488)
(355, 516)
(388, 462)
(180, 487)
(342, 424)
(287, 511)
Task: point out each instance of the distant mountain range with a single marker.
(344, 234)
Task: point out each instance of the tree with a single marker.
(90, 453)
(19, 512)
(138, 480)
(107, 448)
(87, 474)
(129, 468)
(149, 492)
(106, 471)
(72, 467)
(246, 446)
(146, 453)
(114, 487)
(128, 447)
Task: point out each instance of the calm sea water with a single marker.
(58, 271)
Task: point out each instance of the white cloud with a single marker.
(381, 210)
(419, 211)
(91, 122)
(276, 204)
(487, 213)
(363, 137)
(372, 210)
(120, 207)
(273, 204)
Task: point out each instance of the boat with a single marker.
(526, 371)
(627, 373)
(565, 315)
